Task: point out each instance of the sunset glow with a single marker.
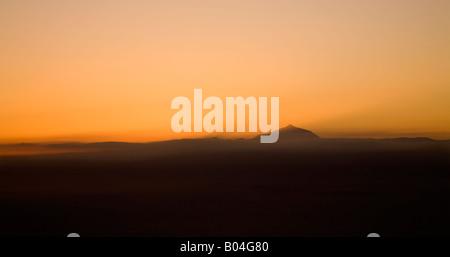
(108, 70)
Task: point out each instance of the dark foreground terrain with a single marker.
(211, 187)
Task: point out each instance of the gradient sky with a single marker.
(108, 70)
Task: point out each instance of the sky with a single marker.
(108, 70)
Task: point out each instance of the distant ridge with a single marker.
(409, 139)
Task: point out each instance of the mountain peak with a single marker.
(293, 131)
(290, 127)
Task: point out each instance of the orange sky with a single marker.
(108, 70)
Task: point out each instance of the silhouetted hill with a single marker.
(291, 131)
(290, 138)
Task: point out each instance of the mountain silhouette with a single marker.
(291, 132)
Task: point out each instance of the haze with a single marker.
(108, 70)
